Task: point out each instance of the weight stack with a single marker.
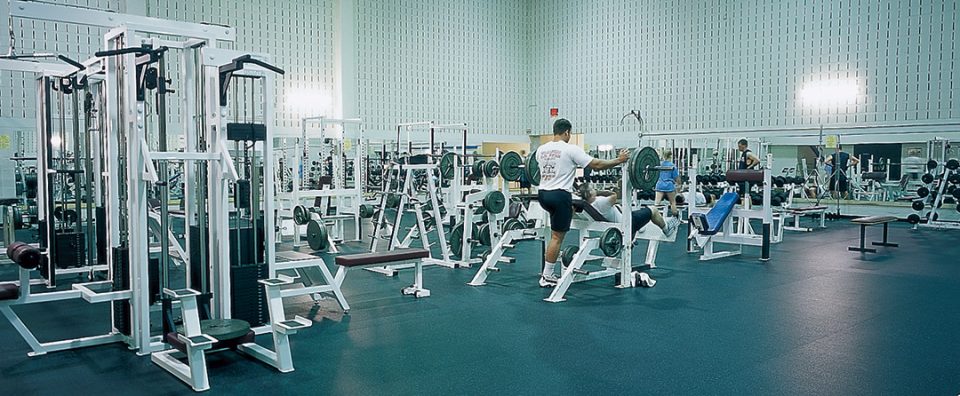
(121, 281)
(101, 226)
(248, 300)
(69, 252)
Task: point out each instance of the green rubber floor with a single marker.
(815, 320)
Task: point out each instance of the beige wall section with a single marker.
(490, 148)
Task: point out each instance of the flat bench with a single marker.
(383, 258)
(868, 221)
(797, 212)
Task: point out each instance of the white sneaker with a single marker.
(548, 280)
(646, 280)
(670, 230)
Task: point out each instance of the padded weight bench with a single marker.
(382, 258)
(711, 222)
(9, 291)
(580, 206)
(872, 220)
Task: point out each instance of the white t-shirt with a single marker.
(559, 162)
(605, 206)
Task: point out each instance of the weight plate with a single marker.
(491, 168)
(913, 218)
(456, 239)
(301, 215)
(926, 178)
(484, 235)
(511, 166)
(953, 164)
(317, 235)
(611, 242)
(494, 202)
(642, 168)
(512, 225)
(366, 211)
(954, 178)
(448, 165)
(917, 205)
(956, 193)
(533, 169)
(922, 192)
(931, 164)
(567, 254)
(393, 201)
(477, 169)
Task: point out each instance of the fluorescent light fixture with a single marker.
(308, 101)
(55, 141)
(605, 147)
(829, 93)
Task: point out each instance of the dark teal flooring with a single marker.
(816, 320)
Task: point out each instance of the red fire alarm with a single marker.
(554, 112)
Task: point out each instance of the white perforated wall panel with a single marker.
(297, 34)
(443, 61)
(745, 65)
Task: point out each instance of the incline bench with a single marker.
(872, 220)
(381, 258)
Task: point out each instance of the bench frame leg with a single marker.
(863, 248)
(885, 242)
(417, 289)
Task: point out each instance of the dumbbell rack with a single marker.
(934, 191)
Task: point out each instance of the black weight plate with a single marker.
(301, 215)
(494, 202)
(512, 224)
(366, 211)
(611, 242)
(456, 239)
(447, 165)
(484, 235)
(917, 205)
(511, 166)
(953, 164)
(533, 169)
(913, 218)
(923, 192)
(642, 166)
(926, 178)
(317, 235)
(491, 168)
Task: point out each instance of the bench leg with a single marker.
(885, 243)
(417, 288)
(862, 248)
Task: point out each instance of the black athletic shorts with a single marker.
(559, 203)
(839, 183)
(641, 217)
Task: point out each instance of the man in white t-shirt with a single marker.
(605, 202)
(558, 161)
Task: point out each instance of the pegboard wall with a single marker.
(444, 61)
(297, 34)
(744, 65)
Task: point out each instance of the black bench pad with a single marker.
(354, 260)
(871, 220)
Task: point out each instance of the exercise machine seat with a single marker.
(580, 205)
(711, 222)
(361, 259)
(9, 291)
